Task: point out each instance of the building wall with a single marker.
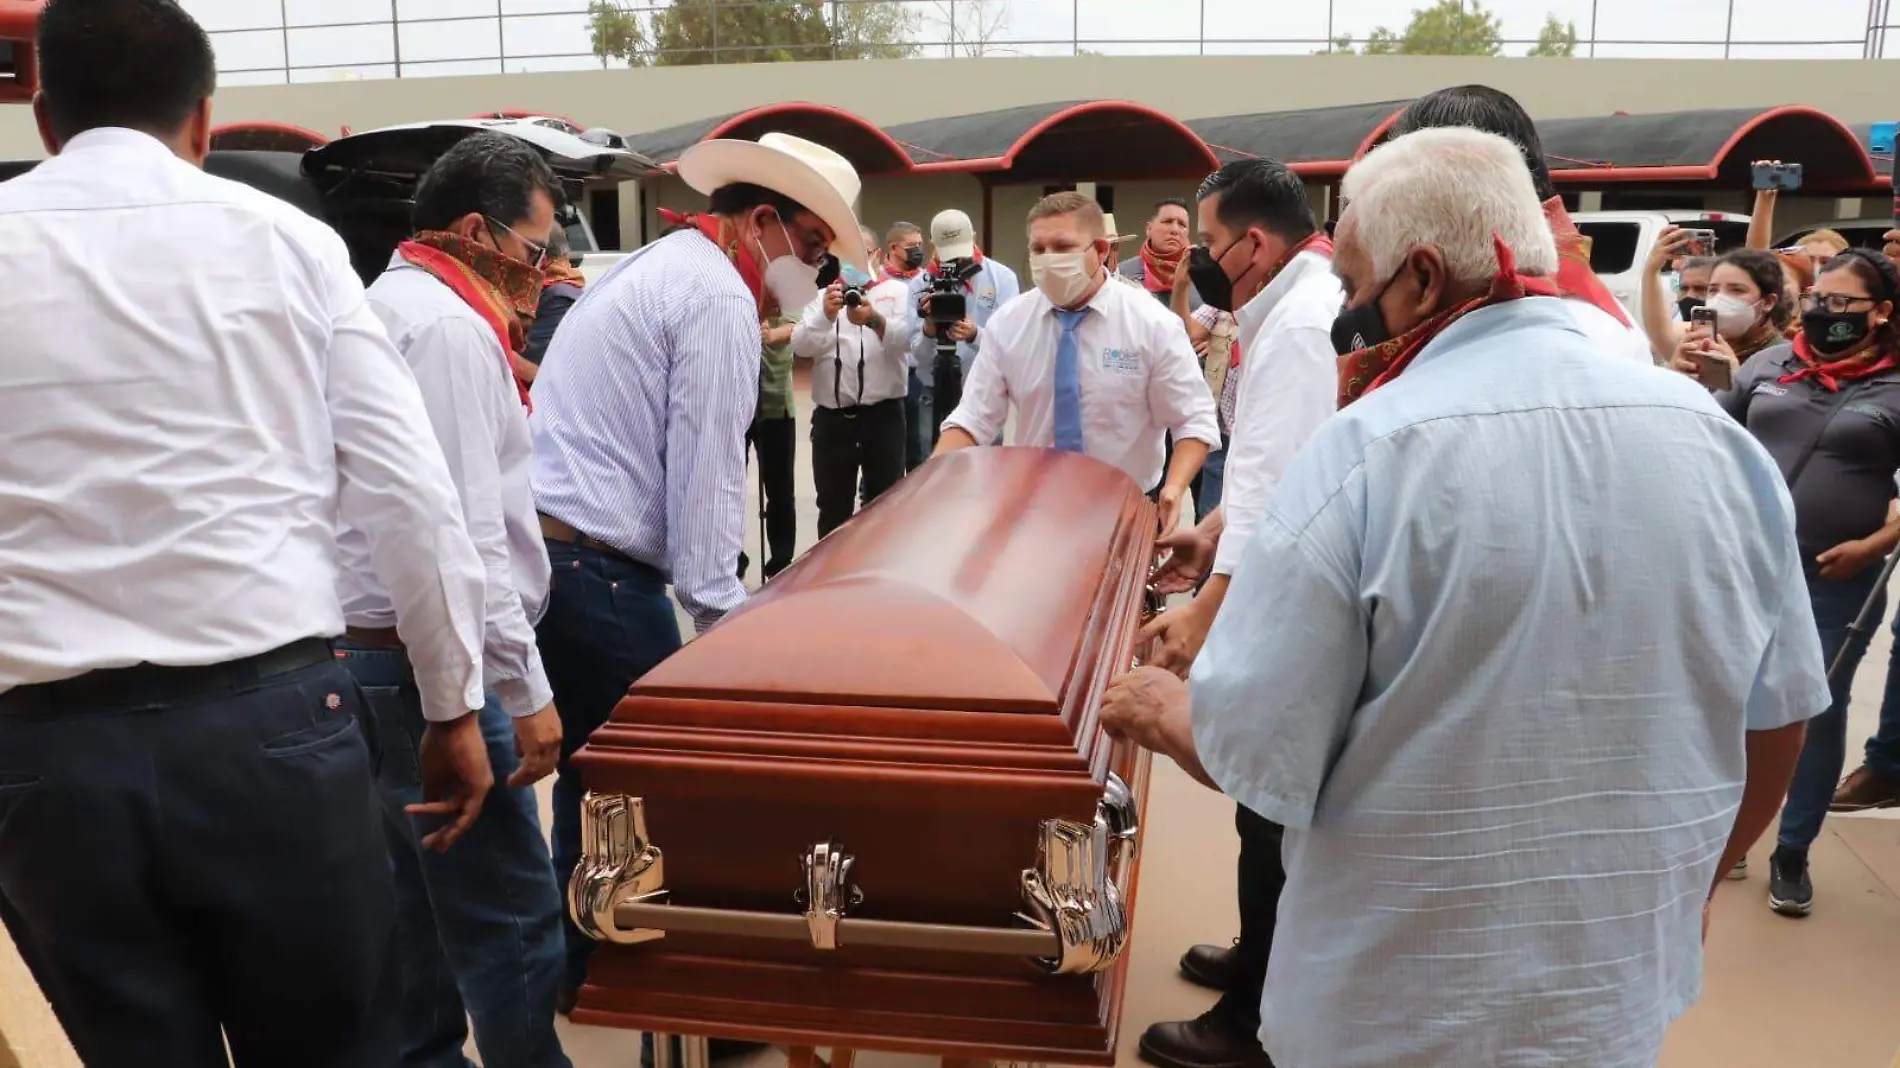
(633, 101)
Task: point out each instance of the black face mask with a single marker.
(1834, 332)
(1689, 304)
(1209, 278)
(913, 257)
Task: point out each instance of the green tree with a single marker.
(1558, 39)
(698, 32)
(1447, 28)
(617, 33)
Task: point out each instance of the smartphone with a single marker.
(1704, 316)
(1785, 177)
(1702, 242)
(1713, 371)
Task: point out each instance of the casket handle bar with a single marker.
(1074, 898)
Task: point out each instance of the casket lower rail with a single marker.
(873, 809)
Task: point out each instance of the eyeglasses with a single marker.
(537, 251)
(1833, 302)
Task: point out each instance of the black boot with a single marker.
(1212, 1040)
(1211, 966)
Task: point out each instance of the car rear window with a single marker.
(1612, 245)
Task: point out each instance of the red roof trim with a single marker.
(1008, 159)
(766, 111)
(1377, 135)
(315, 139)
(1610, 172)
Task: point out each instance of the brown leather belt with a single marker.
(555, 530)
(379, 637)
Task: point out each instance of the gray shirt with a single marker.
(1842, 492)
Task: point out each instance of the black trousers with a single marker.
(847, 443)
(1262, 876)
(178, 871)
(776, 441)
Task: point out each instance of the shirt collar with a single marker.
(106, 138)
(1492, 319)
(1254, 313)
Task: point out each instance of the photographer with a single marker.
(958, 269)
(857, 335)
(1826, 407)
(1747, 293)
(1666, 316)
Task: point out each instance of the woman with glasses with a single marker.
(1827, 407)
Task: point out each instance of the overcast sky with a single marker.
(446, 37)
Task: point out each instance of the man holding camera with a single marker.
(958, 274)
(857, 335)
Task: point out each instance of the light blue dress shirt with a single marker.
(990, 288)
(1490, 658)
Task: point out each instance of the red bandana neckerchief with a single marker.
(504, 291)
(1363, 371)
(560, 271)
(742, 258)
(1157, 272)
(901, 274)
(1883, 355)
(1575, 280)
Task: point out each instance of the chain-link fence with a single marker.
(265, 41)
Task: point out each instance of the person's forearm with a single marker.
(1771, 760)
(780, 335)
(1886, 538)
(1656, 321)
(1761, 224)
(1189, 455)
(952, 439)
(1177, 743)
(523, 369)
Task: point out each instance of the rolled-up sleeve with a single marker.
(1289, 388)
(394, 486)
(1275, 689)
(1177, 390)
(712, 393)
(463, 376)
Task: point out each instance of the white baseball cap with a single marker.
(952, 235)
(809, 173)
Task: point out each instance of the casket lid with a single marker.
(969, 586)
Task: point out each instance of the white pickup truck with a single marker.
(1620, 242)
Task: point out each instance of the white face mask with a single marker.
(790, 280)
(1733, 315)
(1062, 276)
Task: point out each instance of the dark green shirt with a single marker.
(775, 376)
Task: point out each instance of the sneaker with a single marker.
(1790, 891)
(1739, 871)
(1863, 790)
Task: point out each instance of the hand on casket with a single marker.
(1137, 707)
(1176, 636)
(1190, 557)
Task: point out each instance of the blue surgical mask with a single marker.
(853, 276)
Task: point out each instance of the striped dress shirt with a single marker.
(640, 416)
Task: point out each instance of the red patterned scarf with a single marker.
(560, 271)
(1882, 355)
(1157, 272)
(1575, 280)
(504, 291)
(899, 273)
(1366, 370)
(750, 270)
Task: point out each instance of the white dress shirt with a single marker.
(851, 365)
(476, 413)
(640, 417)
(1289, 385)
(1140, 379)
(197, 393)
(1468, 662)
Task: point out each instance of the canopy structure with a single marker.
(1315, 142)
(1095, 139)
(265, 137)
(870, 149)
(1715, 146)
(19, 68)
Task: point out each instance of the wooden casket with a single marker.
(873, 808)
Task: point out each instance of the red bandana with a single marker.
(1366, 370)
(900, 274)
(1157, 272)
(742, 258)
(1575, 280)
(505, 292)
(1883, 356)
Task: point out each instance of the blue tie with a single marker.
(1069, 382)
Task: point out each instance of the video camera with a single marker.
(947, 304)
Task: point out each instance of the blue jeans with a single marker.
(608, 622)
(478, 927)
(1213, 472)
(920, 434)
(1836, 604)
(1883, 749)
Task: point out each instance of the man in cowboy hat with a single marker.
(640, 421)
(1116, 239)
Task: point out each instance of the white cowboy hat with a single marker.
(1108, 224)
(813, 175)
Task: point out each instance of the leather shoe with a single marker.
(1209, 1041)
(1211, 966)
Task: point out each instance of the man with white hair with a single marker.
(1466, 659)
